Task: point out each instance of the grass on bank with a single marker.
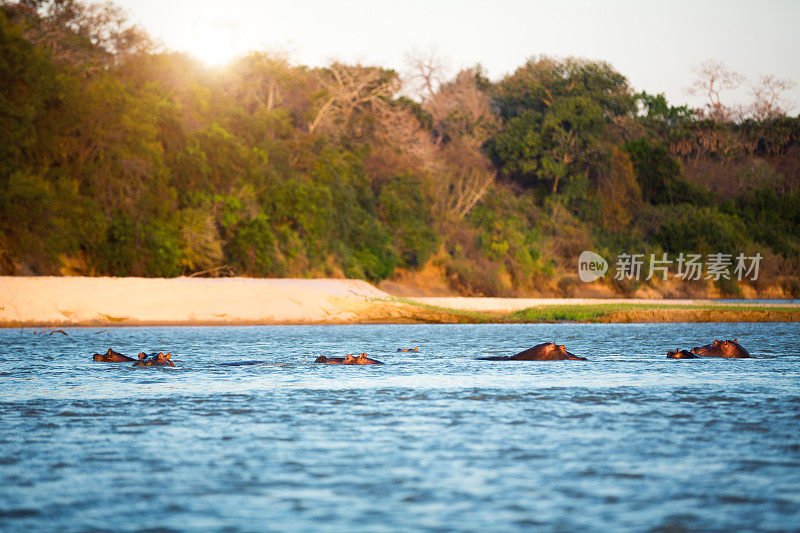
(621, 312)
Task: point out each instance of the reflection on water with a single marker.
(431, 440)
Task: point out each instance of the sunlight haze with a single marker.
(654, 46)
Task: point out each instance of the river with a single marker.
(432, 440)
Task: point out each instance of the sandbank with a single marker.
(105, 301)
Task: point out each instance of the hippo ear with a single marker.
(142, 355)
(169, 355)
(716, 343)
(110, 351)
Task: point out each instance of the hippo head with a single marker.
(554, 348)
(159, 359)
(362, 359)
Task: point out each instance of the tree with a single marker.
(88, 36)
(427, 72)
(618, 190)
(258, 80)
(551, 146)
(713, 77)
(555, 112)
(463, 122)
(541, 81)
(351, 88)
(656, 107)
(461, 110)
(768, 100)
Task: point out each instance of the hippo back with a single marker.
(546, 351)
(112, 357)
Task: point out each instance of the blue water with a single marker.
(432, 440)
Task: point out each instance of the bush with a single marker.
(253, 248)
(659, 176)
(771, 218)
(403, 210)
(702, 230)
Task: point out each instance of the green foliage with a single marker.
(129, 249)
(43, 218)
(131, 162)
(541, 81)
(34, 102)
(404, 211)
(254, 248)
(659, 178)
(771, 218)
(703, 230)
(506, 238)
(555, 113)
(657, 108)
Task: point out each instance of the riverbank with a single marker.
(103, 301)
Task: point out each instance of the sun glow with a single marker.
(212, 41)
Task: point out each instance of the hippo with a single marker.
(112, 357)
(348, 359)
(546, 351)
(361, 359)
(329, 360)
(728, 348)
(681, 354)
(408, 349)
(154, 359)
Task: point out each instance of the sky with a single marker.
(655, 44)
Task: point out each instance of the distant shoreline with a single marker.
(52, 302)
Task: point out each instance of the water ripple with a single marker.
(246, 433)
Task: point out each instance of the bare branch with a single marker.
(348, 88)
(427, 71)
(768, 100)
(713, 77)
(461, 110)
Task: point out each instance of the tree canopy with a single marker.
(120, 159)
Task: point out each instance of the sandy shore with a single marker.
(79, 301)
(74, 301)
